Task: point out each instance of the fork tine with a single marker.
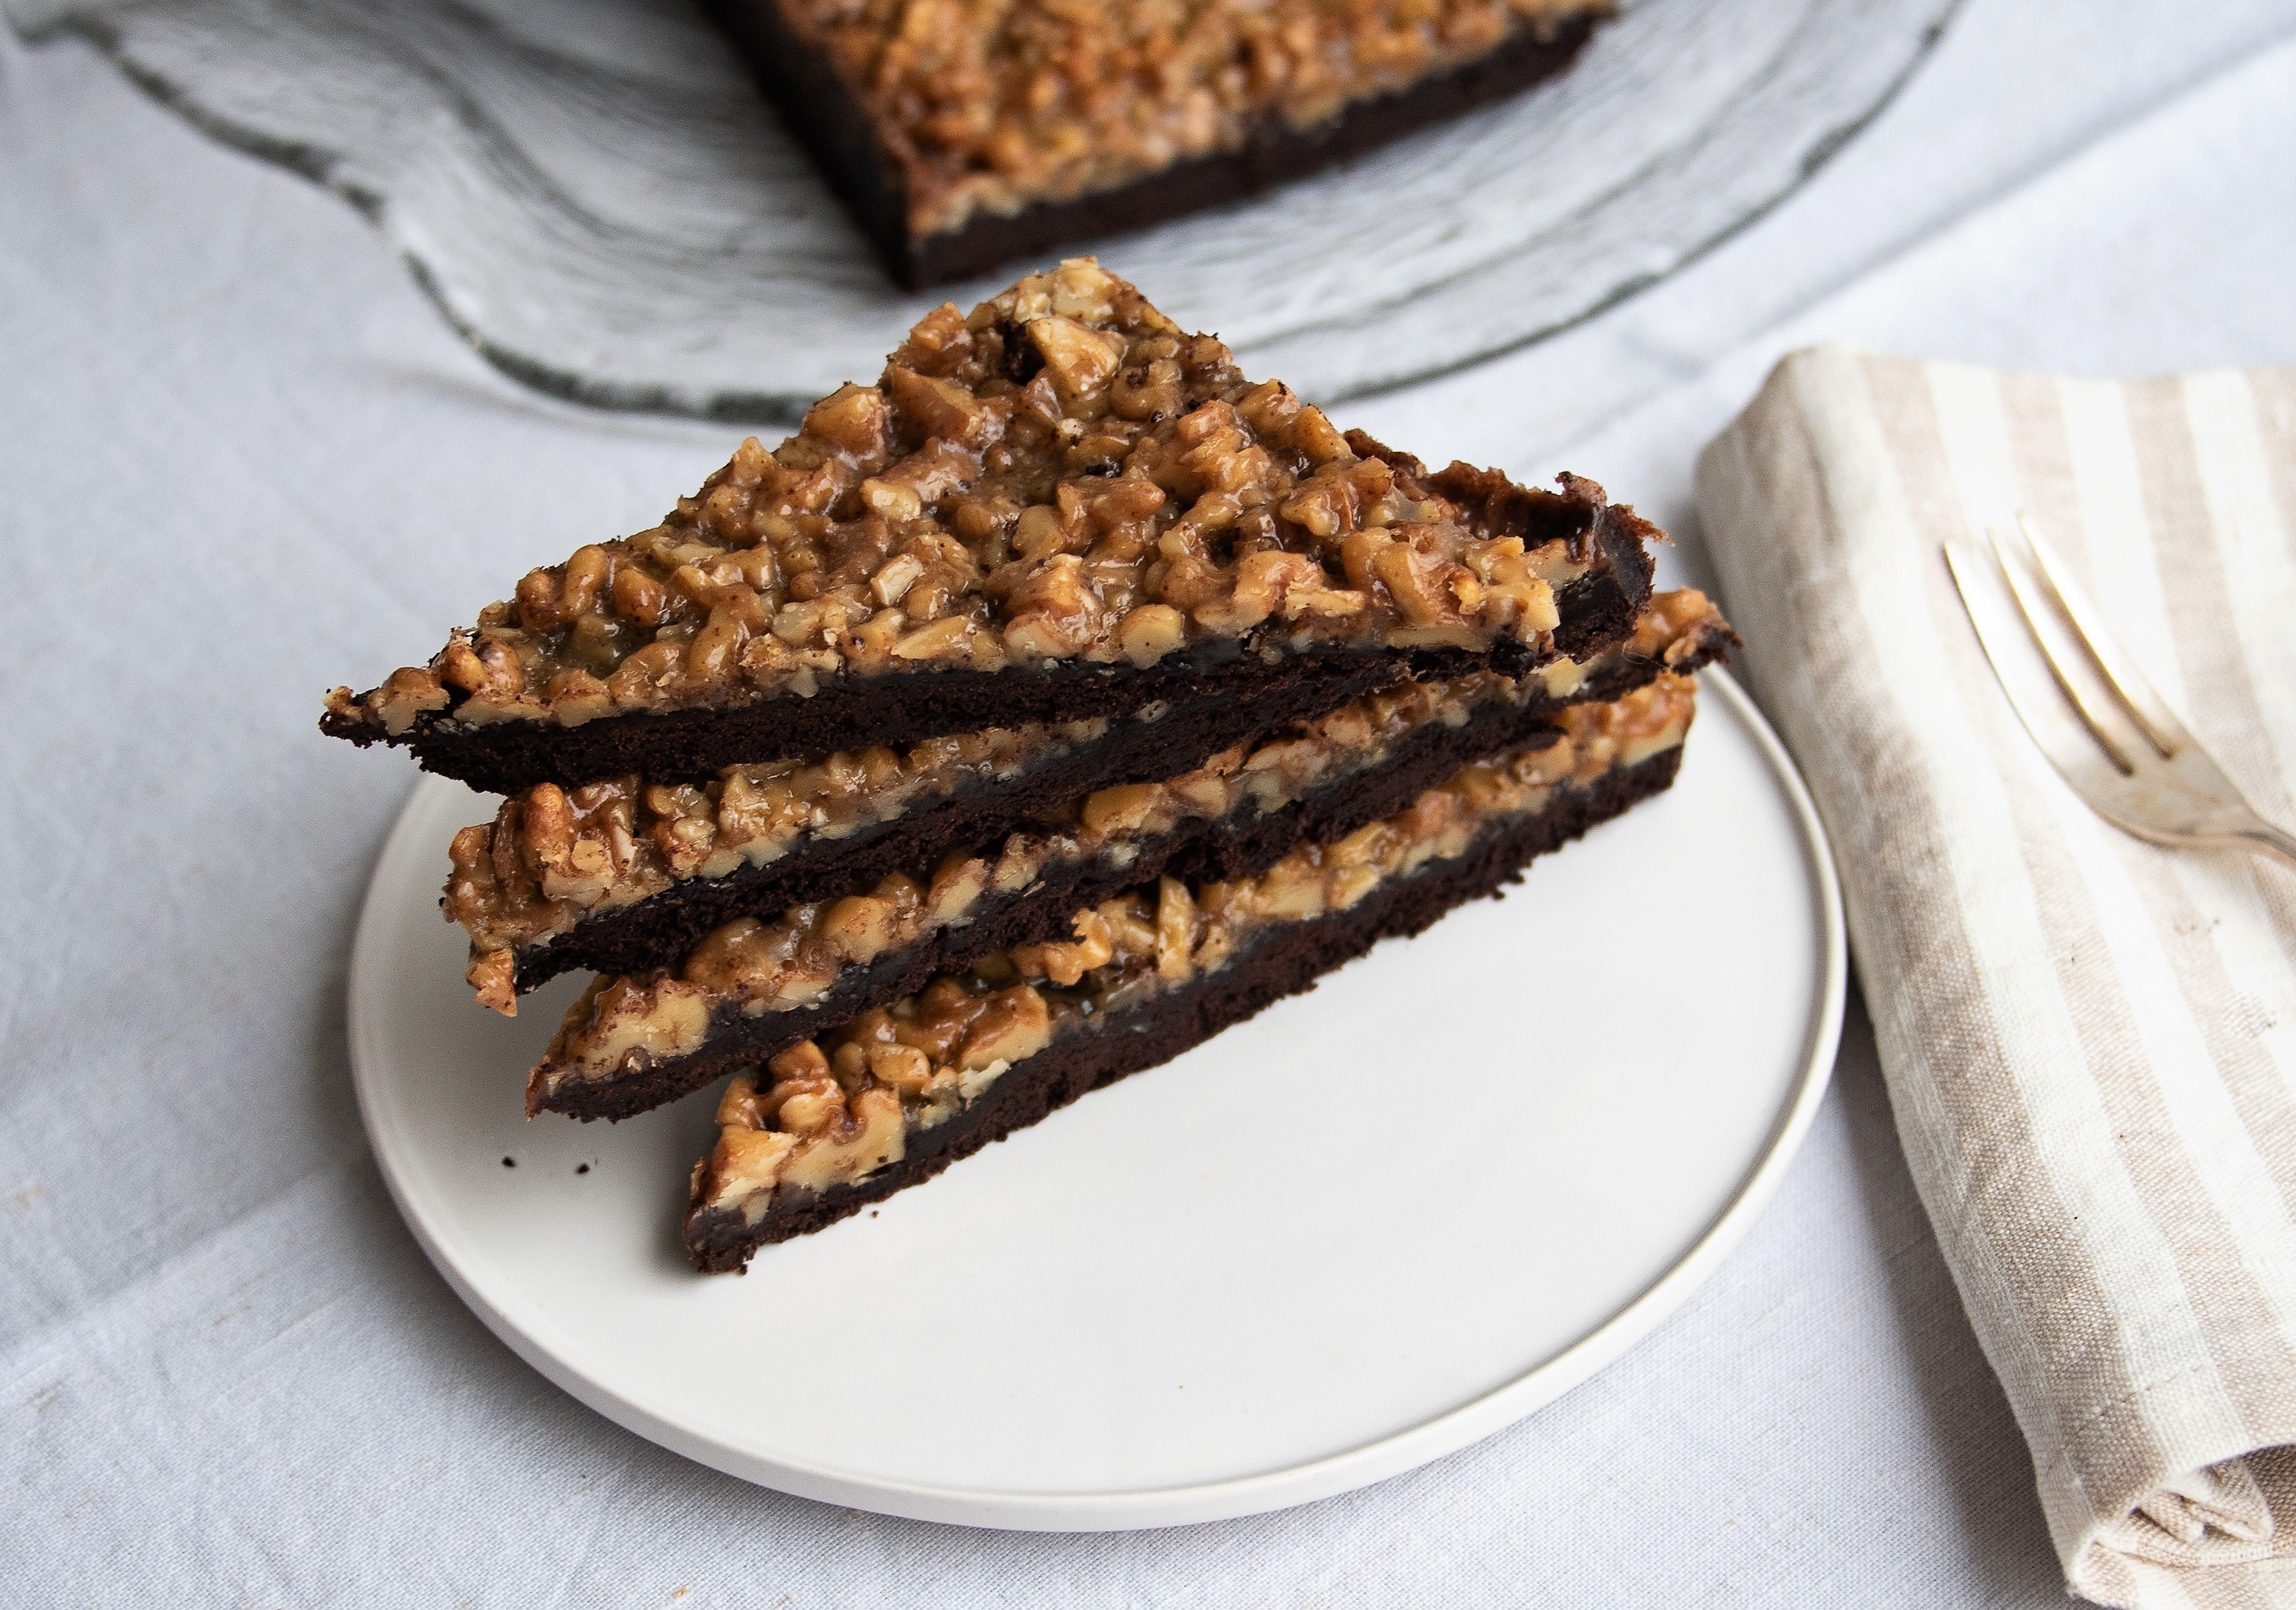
(2176, 800)
(2153, 718)
(2064, 743)
(2047, 634)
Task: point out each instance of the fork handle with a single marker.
(2270, 840)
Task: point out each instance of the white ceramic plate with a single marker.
(1369, 1226)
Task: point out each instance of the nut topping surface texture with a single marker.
(1063, 475)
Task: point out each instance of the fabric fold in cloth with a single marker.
(2090, 1041)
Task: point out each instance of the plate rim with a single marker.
(557, 1357)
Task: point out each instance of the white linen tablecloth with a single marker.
(240, 458)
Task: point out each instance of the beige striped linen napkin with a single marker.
(2090, 1042)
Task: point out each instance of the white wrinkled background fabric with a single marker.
(2089, 1040)
(233, 434)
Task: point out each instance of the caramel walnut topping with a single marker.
(838, 1108)
(988, 105)
(1063, 475)
(553, 856)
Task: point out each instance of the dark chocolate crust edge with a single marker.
(837, 131)
(661, 929)
(1287, 962)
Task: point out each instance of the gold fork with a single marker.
(2121, 748)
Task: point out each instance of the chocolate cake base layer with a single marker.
(853, 712)
(1288, 961)
(662, 929)
(837, 131)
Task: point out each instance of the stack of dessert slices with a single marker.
(1027, 718)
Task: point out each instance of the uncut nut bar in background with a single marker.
(962, 134)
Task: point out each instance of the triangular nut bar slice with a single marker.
(1058, 508)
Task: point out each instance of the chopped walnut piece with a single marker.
(489, 975)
